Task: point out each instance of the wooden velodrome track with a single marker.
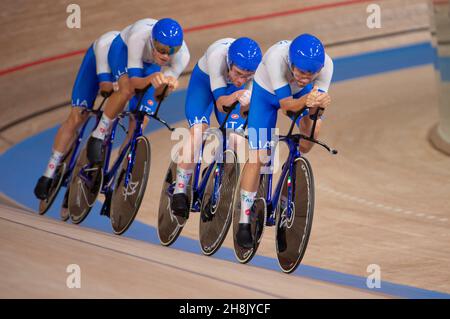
(383, 200)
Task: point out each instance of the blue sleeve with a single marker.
(136, 72)
(105, 77)
(283, 92)
(219, 92)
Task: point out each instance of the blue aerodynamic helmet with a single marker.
(306, 53)
(168, 32)
(245, 53)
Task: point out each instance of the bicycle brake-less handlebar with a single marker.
(314, 117)
(161, 99)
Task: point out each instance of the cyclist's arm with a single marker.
(321, 85)
(136, 45)
(226, 100)
(291, 104)
(101, 49)
(277, 68)
(323, 81)
(217, 69)
(178, 63)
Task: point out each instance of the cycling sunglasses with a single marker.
(165, 49)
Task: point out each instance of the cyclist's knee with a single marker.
(236, 142)
(257, 158)
(192, 145)
(197, 134)
(125, 88)
(76, 119)
(305, 146)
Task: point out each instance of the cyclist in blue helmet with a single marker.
(94, 75)
(148, 51)
(221, 77)
(306, 53)
(293, 74)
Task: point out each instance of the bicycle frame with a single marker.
(109, 174)
(199, 190)
(74, 156)
(272, 199)
(97, 113)
(131, 144)
(292, 141)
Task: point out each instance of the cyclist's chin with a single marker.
(302, 83)
(237, 83)
(161, 62)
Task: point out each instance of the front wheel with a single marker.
(216, 210)
(126, 200)
(295, 215)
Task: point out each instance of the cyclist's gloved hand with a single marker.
(172, 83)
(324, 100)
(311, 99)
(158, 80)
(244, 99)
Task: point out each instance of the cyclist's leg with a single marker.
(235, 123)
(198, 109)
(237, 142)
(67, 131)
(117, 59)
(261, 120)
(84, 92)
(148, 102)
(305, 128)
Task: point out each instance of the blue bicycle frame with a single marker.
(74, 156)
(292, 142)
(199, 190)
(139, 116)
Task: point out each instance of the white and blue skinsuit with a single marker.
(209, 81)
(131, 53)
(273, 82)
(93, 70)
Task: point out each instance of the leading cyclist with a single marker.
(292, 74)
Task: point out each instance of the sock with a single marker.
(53, 163)
(103, 127)
(183, 176)
(247, 200)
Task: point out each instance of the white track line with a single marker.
(382, 206)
